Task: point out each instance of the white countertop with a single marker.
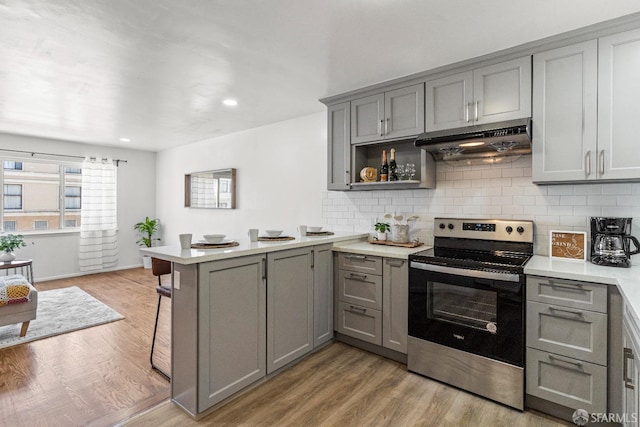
(366, 248)
(627, 279)
(194, 256)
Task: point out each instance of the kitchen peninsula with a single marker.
(239, 314)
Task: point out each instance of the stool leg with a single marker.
(23, 330)
(153, 342)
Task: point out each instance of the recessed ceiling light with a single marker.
(125, 140)
(230, 102)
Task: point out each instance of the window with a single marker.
(12, 196)
(40, 225)
(41, 195)
(9, 226)
(10, 164)
(72, 197)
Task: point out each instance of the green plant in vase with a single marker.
(382, 228)
(148, 228)
(10, 243)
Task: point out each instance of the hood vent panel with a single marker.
(500, 139)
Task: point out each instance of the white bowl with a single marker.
(314, 229)
(273, 233)
(214, 238)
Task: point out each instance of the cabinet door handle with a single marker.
(601, 158)
(466, 112)
(564, 310)
(587, 162)
(395, 262)
(264, 269)
(476, 111)
(570, 362)
(628, 355)
(355, 309)
(362, 277)
(380, 128)
(313, 258)
(386, 126)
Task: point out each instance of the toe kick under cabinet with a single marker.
(371, 300)
(567, 335)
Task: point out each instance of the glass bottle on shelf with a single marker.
(393, 168)
(384, 169)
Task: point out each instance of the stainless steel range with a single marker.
(466, 307)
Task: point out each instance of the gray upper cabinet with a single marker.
(618, 94)
(289, 306)
(565, 113)
(339, 148)
(484, 95)
(390, 115)
(584, 124)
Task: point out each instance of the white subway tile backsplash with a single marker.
(501, 190)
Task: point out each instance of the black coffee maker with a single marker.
(611, 242)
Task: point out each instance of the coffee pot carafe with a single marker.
(611, 241)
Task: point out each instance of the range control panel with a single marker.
(486, 229)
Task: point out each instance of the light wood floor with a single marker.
(96, 376)
(343, 386)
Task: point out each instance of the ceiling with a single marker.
(156, 71)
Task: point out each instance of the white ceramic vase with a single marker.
(146, 261)
(7, 257)
(382, 235)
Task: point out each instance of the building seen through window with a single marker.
(40, 196)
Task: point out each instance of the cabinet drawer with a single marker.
(360, 263)
(566, 331)
(567, 293)
(566, 381)
(361, 289)
(359, 322)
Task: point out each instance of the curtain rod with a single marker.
(33, 153)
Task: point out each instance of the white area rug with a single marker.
(60, 311)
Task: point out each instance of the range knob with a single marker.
(520, 229)
(509, 229)
(450, 226)
(442, 225)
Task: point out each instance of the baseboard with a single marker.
(79, 274)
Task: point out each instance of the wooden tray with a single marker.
(275, 239)
(213, 245)
(320, 233)
(390, 243)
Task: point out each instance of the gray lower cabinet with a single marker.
(372, 299)
(231, 328)
(289, 306)
(567, 336)
(395, 304)
(322, 294)
(631, 374)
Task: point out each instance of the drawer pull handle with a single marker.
(358, 257)
(570, 362)
(566, 286)
(358, 276)
(357, 309)
(564, 310)
(628, 382)
(395, 263)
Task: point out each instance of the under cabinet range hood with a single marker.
(490, 142)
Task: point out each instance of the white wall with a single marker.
(281, 176)
(56, 255)
(491, 191)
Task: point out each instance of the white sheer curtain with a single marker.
(98, 218)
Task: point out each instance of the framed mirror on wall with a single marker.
(210, 189)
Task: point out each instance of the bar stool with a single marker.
(159, 267)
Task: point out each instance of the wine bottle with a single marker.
(393, 168)
(384, 169)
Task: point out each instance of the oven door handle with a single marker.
(477, 274)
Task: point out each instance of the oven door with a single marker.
(479, 315)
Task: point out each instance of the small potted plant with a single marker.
(10, 243)
(382, 228)
(148, 228)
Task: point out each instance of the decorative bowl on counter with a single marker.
(214, 238)
(314, 229)
(273, 233)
